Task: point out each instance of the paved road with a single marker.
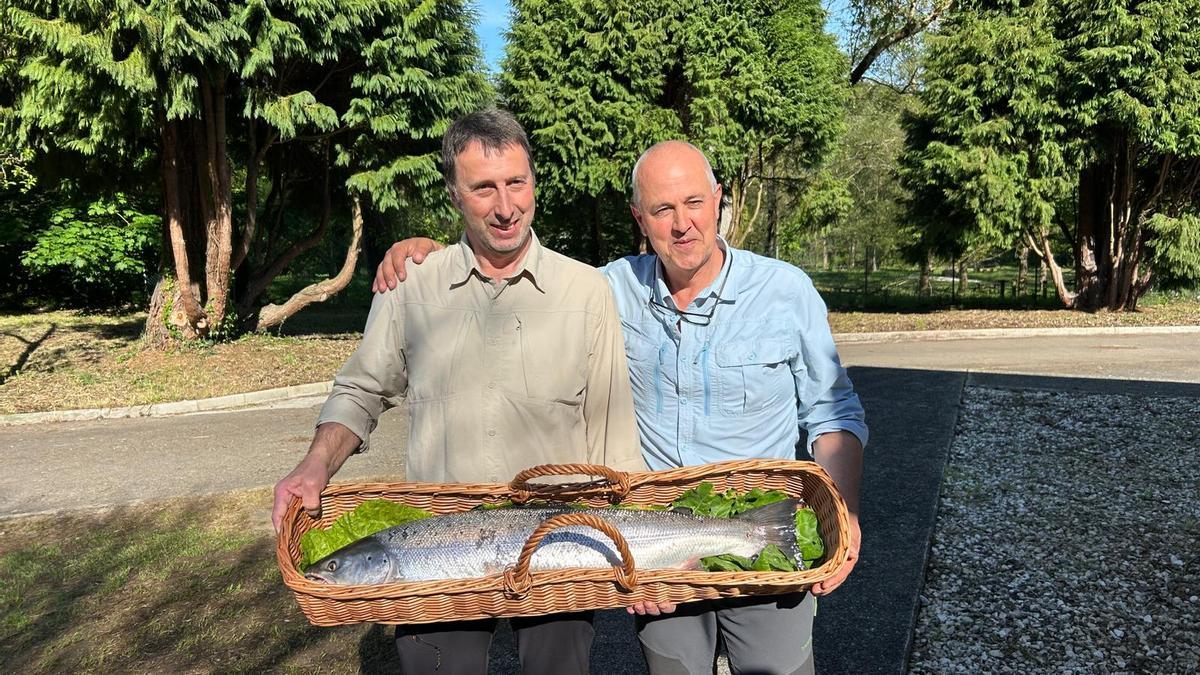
(1157, 357)
(58, 465)
(83, 465)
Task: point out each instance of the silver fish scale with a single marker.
(478, 543)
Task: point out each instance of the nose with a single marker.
(504, 206)
(681, 223)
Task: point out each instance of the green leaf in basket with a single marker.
(366, 519)
(316, 544)
(754, 499)
(725, 563)
(808, 536)
(771, 559)
(704, 501)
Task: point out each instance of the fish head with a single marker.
(366, 561)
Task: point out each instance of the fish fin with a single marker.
(778, 519)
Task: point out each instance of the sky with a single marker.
(493, 23)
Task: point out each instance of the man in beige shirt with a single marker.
(510, 355)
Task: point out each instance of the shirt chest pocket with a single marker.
(647, 376)
(754, 374)
(554, 356)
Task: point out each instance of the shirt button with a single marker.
(683, 401)
(491, 432)
(491, 385)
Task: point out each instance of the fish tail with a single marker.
(778, 521)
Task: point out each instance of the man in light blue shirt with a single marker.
(730, 356)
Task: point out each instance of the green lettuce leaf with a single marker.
(808, 536)
(366, 519)
(726, 563)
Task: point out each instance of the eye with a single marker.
(331, 566)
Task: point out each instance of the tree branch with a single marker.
(273, 315)
(912, 25)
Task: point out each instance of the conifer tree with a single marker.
(294, 99)
(1083, 116)
(597, 81)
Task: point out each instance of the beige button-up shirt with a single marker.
(499, 376)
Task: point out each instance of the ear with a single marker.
(454, 200)
(717, 196)
(637, 216)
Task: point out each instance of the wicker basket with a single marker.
(517, 592)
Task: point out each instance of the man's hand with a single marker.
(841, 454)
(331, 445)
(826, 587)
(651, 608)
(391, 269)
(306, 481)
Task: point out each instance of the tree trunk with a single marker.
(772, 244)
(924, 286)
(155, 334)
(1110, 236)
(195, 321)
(597, 228)
(1022, 268)
(273, 315)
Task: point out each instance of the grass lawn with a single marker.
(173, 587)
(63, 360)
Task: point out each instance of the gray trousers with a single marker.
(763, 636)
(558, 644)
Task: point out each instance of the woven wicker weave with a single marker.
(521, 593)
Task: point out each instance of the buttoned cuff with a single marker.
(348, 413)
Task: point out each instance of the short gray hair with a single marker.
(493, 128)
(637, 166)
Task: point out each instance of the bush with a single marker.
(101, 251)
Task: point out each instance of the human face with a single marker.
(678, 212)
(494, 191)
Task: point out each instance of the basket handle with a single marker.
(517, 581)
(615, 483)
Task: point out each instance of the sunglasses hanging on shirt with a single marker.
(694, 318)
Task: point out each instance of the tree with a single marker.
(290, 99)
(597, 81)
(1036, 114)
(884, 36)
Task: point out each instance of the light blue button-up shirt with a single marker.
(742, 386)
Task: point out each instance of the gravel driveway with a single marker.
(1067, 538)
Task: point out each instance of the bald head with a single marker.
(669, 153)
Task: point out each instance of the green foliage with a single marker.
(596, 82)
(1029, 103)
(274, 94)
(102, 249)
(366, 519)
(1177, 248)
(703, 501)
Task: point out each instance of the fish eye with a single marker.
(331, 566)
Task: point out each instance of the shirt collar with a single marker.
(661, 294)
(467, 264)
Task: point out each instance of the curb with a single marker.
(994, 333)
(173, 407)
